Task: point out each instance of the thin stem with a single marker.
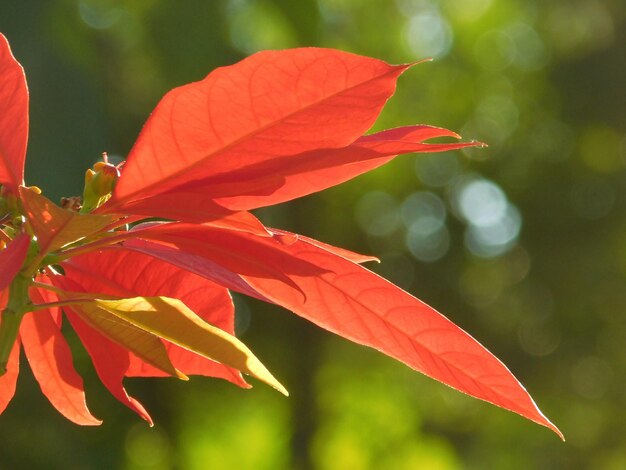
(104, 232)
(101, 243)
(42, 285)
(64, 294)
(34, 264)
(61, 303)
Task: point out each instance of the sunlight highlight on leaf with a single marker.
(136, 339)
(172, 320)
(13, 118)
(56, 227)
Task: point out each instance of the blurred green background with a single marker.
(523, 244)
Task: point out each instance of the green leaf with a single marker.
(172, 320)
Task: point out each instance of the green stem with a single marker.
(68, 294)
(12, 315)
(61, 303)
(100, 243)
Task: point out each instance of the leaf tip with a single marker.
(181, 376)
(283, 390)
(275, 384)
(258, 370)
(547, 423)
(95, 422)
(478, 144)
(148, 419)
(421, 61)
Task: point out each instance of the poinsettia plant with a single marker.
(151, 298)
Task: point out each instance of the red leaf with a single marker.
(271, 104)
(347, 254)
(194, 264)
(12, 258)
(289, 177)
(13, 117)
(50, 359)
(220, 275)
(223, 249)
(126, 274)
(110, 360)
(355, 303)
(9, 380)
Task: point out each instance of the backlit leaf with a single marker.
(272, 104)
(12, 258)
(351, 301)
(50, 360)
(172, 320)
(347, 254)
(225, 251)
(289, 177)
(9, 380)
(124, 273)
(13, 117)
(195, 264)
(110, 361)
(54, 226)
(117, 328)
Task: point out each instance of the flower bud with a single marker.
(104, 179)
(99, 184)
(89, 174)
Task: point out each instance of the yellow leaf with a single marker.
(172, 320)
(143, 343)
(56, 227)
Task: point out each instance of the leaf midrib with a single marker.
(118, 201)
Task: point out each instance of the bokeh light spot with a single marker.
(429, 34)
(377, 213)
(530, 51)
(99, 15)
(424, 215)
(482, 203)
(496, 238)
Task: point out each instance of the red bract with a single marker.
(153, 300)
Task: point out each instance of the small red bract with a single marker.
(153, 300)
